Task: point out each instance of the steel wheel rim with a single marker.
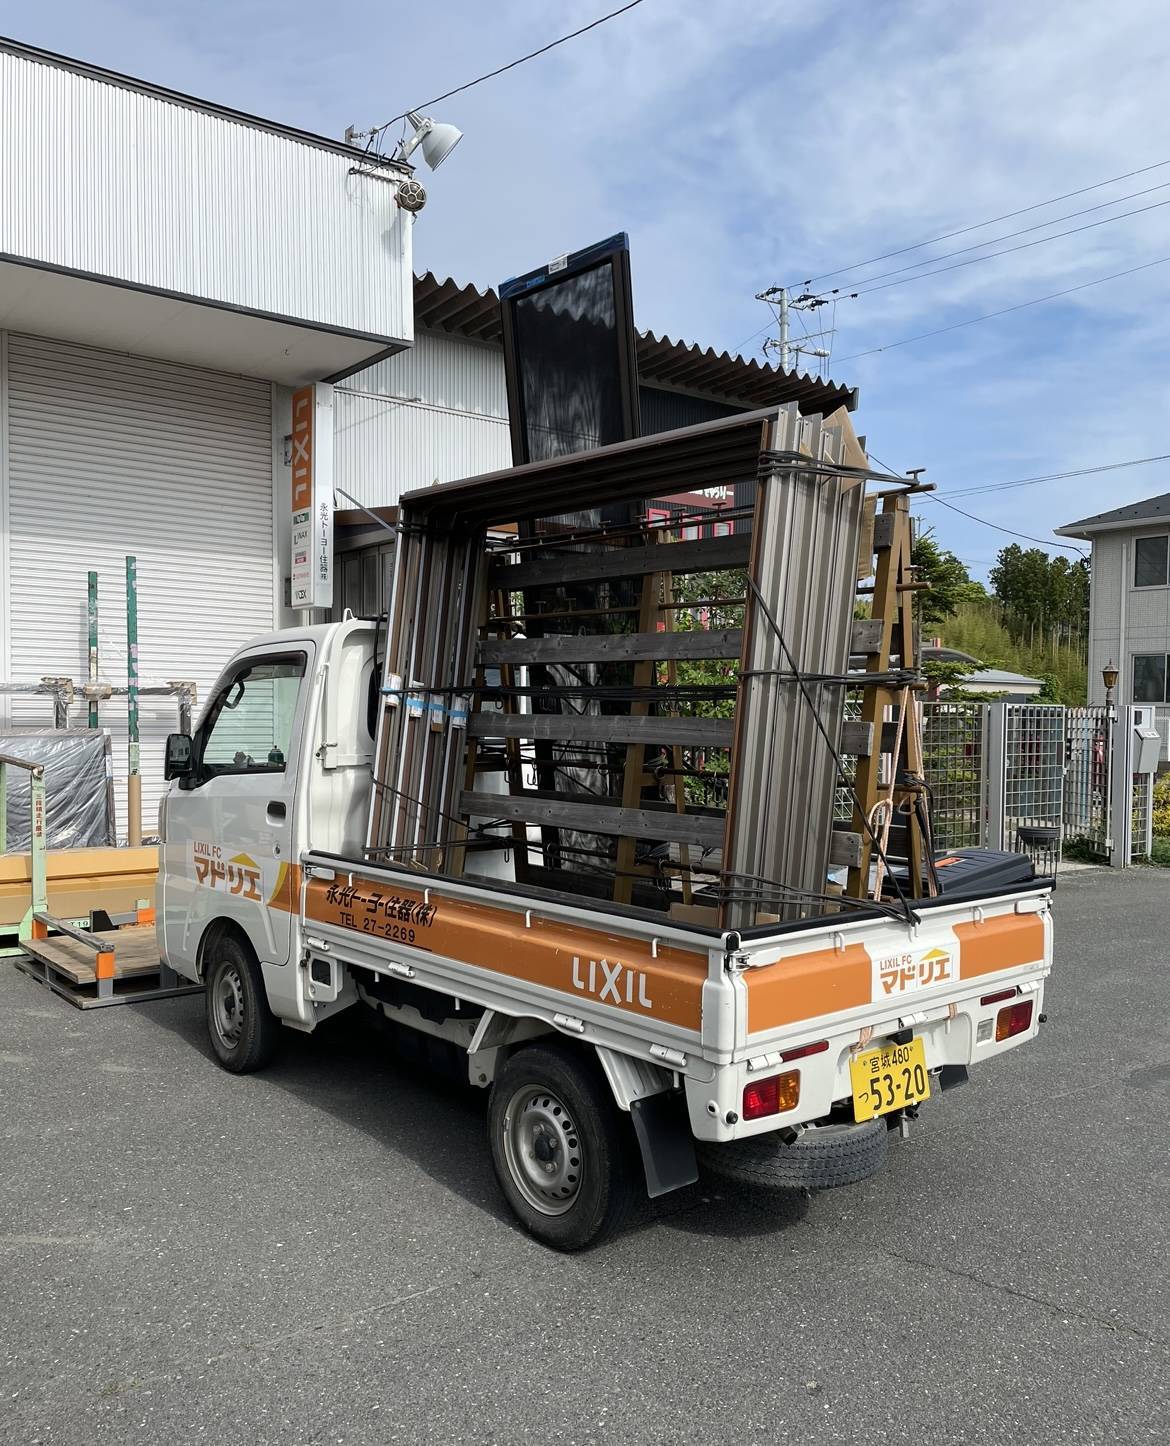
(227, 1003)
(542, 1148)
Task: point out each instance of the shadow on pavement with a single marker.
(349, 1069)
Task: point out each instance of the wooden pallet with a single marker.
(68, 967)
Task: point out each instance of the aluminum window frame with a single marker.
(1164, 539)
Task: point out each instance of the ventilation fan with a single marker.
(412, 195)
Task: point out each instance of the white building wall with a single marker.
(108, 181)
(435, 413)
(1124, 619)
(1105, 611)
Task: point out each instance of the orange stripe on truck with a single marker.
(804, 986)
(286, 893)
(1003, 942)
(578, 962)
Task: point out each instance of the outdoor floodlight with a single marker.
(436, 138)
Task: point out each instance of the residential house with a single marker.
(1129, 602)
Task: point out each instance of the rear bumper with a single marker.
(957, 1033)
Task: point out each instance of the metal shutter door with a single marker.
(109, 455)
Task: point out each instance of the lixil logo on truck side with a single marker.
(904, 973)
(239, 875)
(605, 980)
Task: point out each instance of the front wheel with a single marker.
(561, 1154)
(242, 1028)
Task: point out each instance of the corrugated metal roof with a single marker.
(1152, 509)
(714, 452)
(444, 305)
(1001, 676)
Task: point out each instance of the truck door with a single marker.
(230, 845)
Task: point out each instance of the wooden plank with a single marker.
(667, 827)
(867, 636)
(570, 728)
(845, 849)
(135, 952)
(706, 554)
(611, 647)
(857, 737)
(650, 805)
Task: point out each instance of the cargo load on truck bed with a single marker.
(590, 693)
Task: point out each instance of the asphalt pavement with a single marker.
(320, 1254)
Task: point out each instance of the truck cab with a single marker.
(280, 758)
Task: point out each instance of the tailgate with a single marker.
(885, 973)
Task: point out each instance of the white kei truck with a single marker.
(617, 1050)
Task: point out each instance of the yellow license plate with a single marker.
(889, 1079)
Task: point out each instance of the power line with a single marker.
(512, 64)
(1043, 541)
(991, 315)
(864, 284)
(1054, 476)
(934, 497)
(1009, 250)
(992, 221)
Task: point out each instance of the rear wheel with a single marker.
(242, 1028)
(561, 1154)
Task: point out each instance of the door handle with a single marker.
(276, 811)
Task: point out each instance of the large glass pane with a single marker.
(567, 348)
(1149, 678)
(1150, 557)
(251, 725)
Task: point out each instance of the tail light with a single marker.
(1013, 1020)
(771, 1096)
(805, 1050)
(998, 998)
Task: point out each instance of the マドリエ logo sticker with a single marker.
(239, 875)
(898, 974)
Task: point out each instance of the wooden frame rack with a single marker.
(640, 716)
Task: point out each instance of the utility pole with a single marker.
(789, 352)
(783, 347)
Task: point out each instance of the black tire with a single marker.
(242, 1029)
(819, 1159)
(554, 1098)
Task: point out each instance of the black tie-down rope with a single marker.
(798, 677)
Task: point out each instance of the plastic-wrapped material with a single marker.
(79, 787)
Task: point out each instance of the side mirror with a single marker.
(179, 760)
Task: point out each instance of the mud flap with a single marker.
(666, 1143)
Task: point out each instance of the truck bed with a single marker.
(684, 996)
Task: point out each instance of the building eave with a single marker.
(443, 306)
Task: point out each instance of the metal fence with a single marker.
(954, 760)
(1028, 784)
(1031, 777)
(843, 795)
(1088, 734)
(1140, 819)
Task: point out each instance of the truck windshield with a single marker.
(250, 725)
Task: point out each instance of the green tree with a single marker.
(1041, 596)
(950, 584)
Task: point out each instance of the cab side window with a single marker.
(249, 728)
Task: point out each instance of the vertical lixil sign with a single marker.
(312, 496)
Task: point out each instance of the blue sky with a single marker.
(756, 142)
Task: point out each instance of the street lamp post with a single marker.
(1109, 678)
